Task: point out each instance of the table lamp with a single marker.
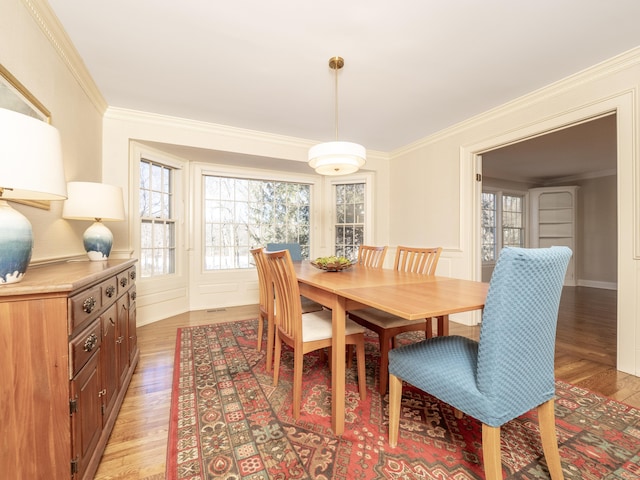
(31, 168)
(99, 202)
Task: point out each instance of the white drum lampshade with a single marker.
(337, 158)
(99, 202)
(31, 168)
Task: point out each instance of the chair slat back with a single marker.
(417, 260)
(370, 256)
(517, 337)
(287, 294)
(265, 286)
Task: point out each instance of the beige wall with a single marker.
(597, 232)
(26, 51)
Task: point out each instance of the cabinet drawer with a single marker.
(84, 306)
(109, 290)
(126, 279)
(83, 346)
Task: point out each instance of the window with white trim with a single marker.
(503, 223)
(349, 226)
(243, 213)
(157, 220)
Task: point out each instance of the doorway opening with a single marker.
(577, 165)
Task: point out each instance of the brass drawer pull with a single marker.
(124, 281)
(110, 291)
(133, 295)
(90, 342)
(132, 275)
(89, 304)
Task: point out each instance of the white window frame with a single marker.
(499, 192)
(201, 169)
(330, 215)
(180, 168)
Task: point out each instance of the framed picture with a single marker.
(14, 96)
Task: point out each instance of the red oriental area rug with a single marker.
(229, 422)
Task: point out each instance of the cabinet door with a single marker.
(109, 361)
(86, 417)
(133, 336)
(122, 342)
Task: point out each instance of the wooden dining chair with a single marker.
(370, 256)
(266, 314)
(387, 325)
(510, 370)
(295, 250)
(306, 332)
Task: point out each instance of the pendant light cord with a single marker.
(336, 103)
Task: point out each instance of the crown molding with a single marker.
(585, 176)
(148, 118)
(606, 68)
(60, 41)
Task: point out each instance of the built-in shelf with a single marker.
(553, 221)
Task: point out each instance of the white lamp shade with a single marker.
(31, 166)
(90, 200)
(99, 202)
(337, 158)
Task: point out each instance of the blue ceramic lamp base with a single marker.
(98, 241)
(16, 244)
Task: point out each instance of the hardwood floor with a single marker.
(585, 356)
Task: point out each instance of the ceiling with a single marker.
(589, 148)
(412, 68)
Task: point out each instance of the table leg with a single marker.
(338, 319)
(443, 326)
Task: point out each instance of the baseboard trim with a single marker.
(597, 284)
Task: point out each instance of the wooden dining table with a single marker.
(408, 295)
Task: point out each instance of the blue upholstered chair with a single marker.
(294, 249)
(510, 370)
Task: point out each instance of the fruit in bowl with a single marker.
(332, 264)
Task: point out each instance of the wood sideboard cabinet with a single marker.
(68, 349)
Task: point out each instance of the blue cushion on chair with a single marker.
(294, 249)
(511, 369)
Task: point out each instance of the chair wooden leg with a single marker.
(276, 362)
(350, 356)
(297, 381)
(491, 452)
(362, 373)
(395, 398)
(547, 422)
(271, 335)
(384, 364)
(261, 321)
(457, 413)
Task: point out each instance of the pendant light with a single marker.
(337, 158)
